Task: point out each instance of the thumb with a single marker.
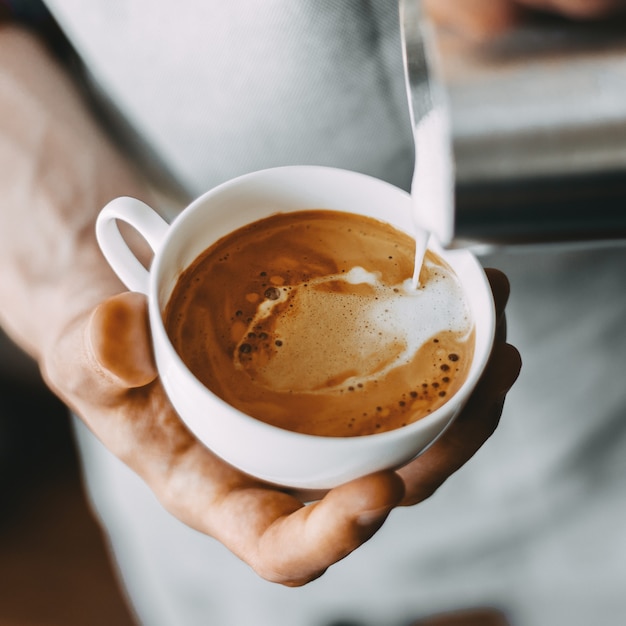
(118, 336)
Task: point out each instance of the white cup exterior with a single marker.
(272, 454)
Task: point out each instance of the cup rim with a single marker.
(444, 413)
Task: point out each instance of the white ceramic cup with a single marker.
(272, 454)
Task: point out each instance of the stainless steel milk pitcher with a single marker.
(536, 127)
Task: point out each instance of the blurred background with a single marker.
(54, 565)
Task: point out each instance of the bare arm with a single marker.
(57, 171)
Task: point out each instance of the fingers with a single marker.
(283, 540)
(500, 288)
(118, 335)
(578, 9)
(292, 544)
(481, 19)
(477, 19)
(468, 432)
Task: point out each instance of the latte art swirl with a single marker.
(346, 319)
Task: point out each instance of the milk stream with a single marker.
(432, 190)
(421, 243)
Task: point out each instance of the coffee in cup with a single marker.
(308, 321)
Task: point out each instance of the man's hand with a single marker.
(103, 368)
(482, 18)
(60, 301)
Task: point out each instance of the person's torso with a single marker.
(219, 89)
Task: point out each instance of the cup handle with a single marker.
(151, 226)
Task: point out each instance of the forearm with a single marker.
(57, 170)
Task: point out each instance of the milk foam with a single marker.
(348, 329)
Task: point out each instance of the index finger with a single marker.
(292, 544)
(500, 288)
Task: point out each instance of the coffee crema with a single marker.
(307, 321)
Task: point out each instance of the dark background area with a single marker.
(54, 563)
